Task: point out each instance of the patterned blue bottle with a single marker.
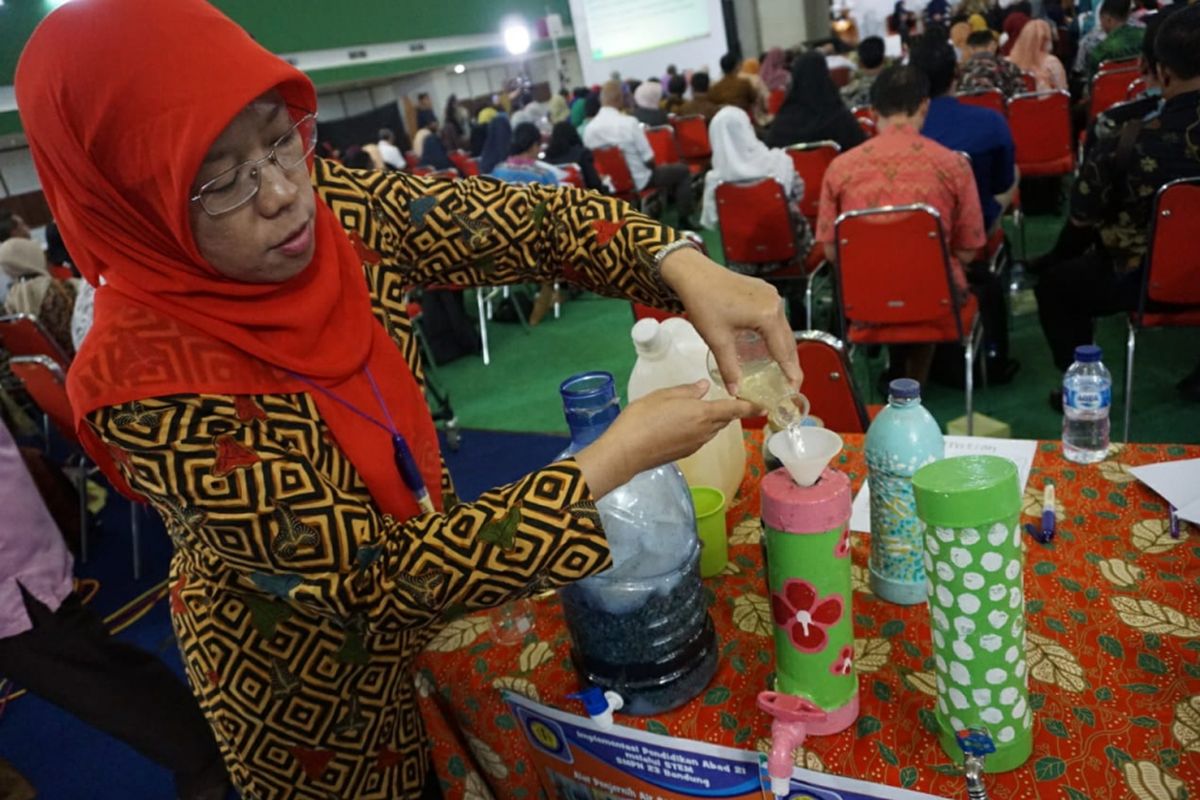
(901, 440)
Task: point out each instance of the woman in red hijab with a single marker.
(1014, 23)
(252, 375)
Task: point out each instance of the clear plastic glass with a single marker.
(640, 628)
(763, 382)
(1087, 401)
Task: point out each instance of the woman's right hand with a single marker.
(663, 426)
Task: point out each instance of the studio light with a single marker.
(516, 38)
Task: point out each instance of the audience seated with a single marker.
(774, 70)
(1121, 39)
(497, 143)
(391, 155)
(733, 89)
(591, 107)
(566, 147)
(646, 104)
(1099, 259)
(700, 102)
(984, 69)
(33, 291)
(1032, 54)
(813, 110)
(455, 124)
(984, 136)
(898, 167)
(981, 133)
(749, 72)
(676, 87)
(870, 63)
(738, 155)
(612, 128)
(433, 152)
(522, 165)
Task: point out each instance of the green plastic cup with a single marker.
(969, 508)
(710, 525)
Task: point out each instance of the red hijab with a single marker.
(1014, 23)
(120, 101)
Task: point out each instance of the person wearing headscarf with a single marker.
(566, 147)
(739, 156)
(480, 129)
(497, 143)
(558, 109)
(454, 126)
(647, 99)
(434, 154)
(1014, 23)
(774, 72)
(978, 23)
(749, 73)
(813, 110)
(251, 375)
(33, 291)
(1031, 54)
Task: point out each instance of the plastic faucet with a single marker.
(976, 745)
(600, 705)
(792, 716)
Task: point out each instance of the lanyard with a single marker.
(406, 465)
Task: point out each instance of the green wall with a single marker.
(284, 26)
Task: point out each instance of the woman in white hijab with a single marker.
(738, 155)
(34, 291)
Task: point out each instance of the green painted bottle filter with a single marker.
(969, 508)
(808, 566)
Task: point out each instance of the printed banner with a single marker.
(577, 760)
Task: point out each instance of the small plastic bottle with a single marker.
(901, 440)
(1087, 400)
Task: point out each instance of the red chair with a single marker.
(827, 382)
(572, 175)
(867, 119)
(422, 170)
(1136, 88)
(691, 136)
(811, 160)
(662, 142)
(610, 162)
(756, 228)
(841, 76)
(1171, 274)
(412, 159)
(24, 335)
(466, 165)
(1029, 81)
(1108, 89)
(46, 383)
(775, 101)
(985, 98)
(1041, 129)
(446, 174)
(1119, 64)
(896, 286)
(61, 272)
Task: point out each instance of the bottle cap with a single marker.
(648, 339)
(1088, 353)
(904, 389)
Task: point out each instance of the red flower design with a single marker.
(231, 455)
(844, 663)
(842, 550)
(805, 615)
(606, 230)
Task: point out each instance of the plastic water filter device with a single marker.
(806, 513)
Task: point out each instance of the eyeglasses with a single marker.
(236, 186)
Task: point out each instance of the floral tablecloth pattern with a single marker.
(1113, 649)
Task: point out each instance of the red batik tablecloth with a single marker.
(1113, 647)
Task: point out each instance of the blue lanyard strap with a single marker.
(406, 464)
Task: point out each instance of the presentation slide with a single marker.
(639, 38)
(620, 27)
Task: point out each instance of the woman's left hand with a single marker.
(720, 302)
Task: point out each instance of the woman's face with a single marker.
(270, 238)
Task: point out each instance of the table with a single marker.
(1113, 646)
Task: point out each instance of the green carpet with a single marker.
(519, 390)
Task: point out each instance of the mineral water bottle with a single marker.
(1087, 400)
(640, 628)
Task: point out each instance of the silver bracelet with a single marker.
(678, 244)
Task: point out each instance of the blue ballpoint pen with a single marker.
(1049, 523)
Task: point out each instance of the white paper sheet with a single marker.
(1019, 451)
(1178, 482)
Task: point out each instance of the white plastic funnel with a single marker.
(805, 451)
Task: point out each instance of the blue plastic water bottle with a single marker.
(901, 440)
